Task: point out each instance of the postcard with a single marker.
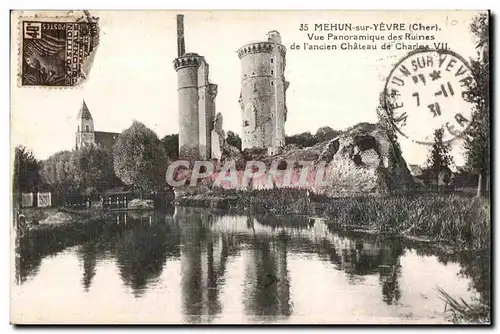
(250, 167)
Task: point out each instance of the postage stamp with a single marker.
(428, 90)
(55, 53)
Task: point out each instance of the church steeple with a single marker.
(85, 130)
(84, 112)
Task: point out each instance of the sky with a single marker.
(132, 76)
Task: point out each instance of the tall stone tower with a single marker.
(263, 93)
(85, 134)
(196, 100)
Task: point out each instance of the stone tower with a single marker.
(85, 134)
(196, 100)
(263, 93)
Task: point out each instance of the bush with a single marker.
(138, 204)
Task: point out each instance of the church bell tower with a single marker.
(85, 129)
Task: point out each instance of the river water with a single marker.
(198, 265)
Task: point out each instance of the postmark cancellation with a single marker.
(428, 90)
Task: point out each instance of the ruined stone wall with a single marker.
(362, 160)
(210, 117)
(204, 119)
(216, 144)
(218, 137)
(279, 85)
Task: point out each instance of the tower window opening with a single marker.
(246, 123)
(272, 60)
(272, 72)
(272, 83)
(87, 128)
(78, 128)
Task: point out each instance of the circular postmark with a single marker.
(428, 90)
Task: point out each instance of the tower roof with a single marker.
(84, 112)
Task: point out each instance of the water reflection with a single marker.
(267, 283)
(87, 254)
(210, 246)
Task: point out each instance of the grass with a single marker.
(441, 218)
(458, 219)
(463, 312)
(37, 213)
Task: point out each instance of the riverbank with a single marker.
(57, 215)
(450, 218)
(59, 225)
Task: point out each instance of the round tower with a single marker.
(186, 67)
(262, 97)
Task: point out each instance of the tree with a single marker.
(391, 176)
(464, 179)
(439, 159)
(326, 133)
(477, 135)
(385, 115)
(171, 145)
(56, 171)
(233, 139)
(26, 171)
(139, 158)
(92, 169)
(305, 139)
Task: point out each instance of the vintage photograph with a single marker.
(250, 167)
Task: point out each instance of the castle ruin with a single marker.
(263, 94)
(262, 99)
(196, 96)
